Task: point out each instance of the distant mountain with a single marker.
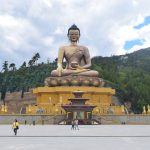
(129, 74)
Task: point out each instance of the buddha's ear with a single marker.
(79, 38)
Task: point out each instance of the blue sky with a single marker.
(144, 23)
(129, 44)
(107, 27)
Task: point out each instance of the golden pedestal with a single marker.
(3, 109)
(55, 95)
(50, 99)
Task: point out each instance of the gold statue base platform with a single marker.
(57, 95)
(50, 99)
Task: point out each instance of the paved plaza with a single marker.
(60, 137)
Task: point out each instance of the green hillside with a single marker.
(129, 74)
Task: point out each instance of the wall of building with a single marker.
(49, 119)
(123, 119)
(30, 119)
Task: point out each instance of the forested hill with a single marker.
(129, 74)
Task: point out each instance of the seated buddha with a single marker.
(77, 57)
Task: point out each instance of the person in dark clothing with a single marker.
(72, 125)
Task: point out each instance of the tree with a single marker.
(36, 57)
(23, 65)
(3, 93)
(5, 66)
(31, 62)
(12, 66)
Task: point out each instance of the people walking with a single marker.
(76, 124)
(72, 125)
(15, 126)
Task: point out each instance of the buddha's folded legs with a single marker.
(66, 72)
(90, 73)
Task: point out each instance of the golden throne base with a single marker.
(51, 98)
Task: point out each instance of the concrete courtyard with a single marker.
(61, 137)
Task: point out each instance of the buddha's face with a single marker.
(74, 35)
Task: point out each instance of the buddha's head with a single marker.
(73, 33)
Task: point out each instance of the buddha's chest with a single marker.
(74, 52)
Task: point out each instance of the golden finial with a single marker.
(144, 110)
(122, 108)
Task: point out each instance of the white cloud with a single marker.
(144, 33)
(27, 27)
(128, 33)
(48, 3)
(58, 31)
(48, 41)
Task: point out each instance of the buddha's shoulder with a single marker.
(82, 47)
(64, 47)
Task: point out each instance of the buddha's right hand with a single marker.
(59, 69)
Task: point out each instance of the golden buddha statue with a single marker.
(77, 57)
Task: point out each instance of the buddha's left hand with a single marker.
(78, 67)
